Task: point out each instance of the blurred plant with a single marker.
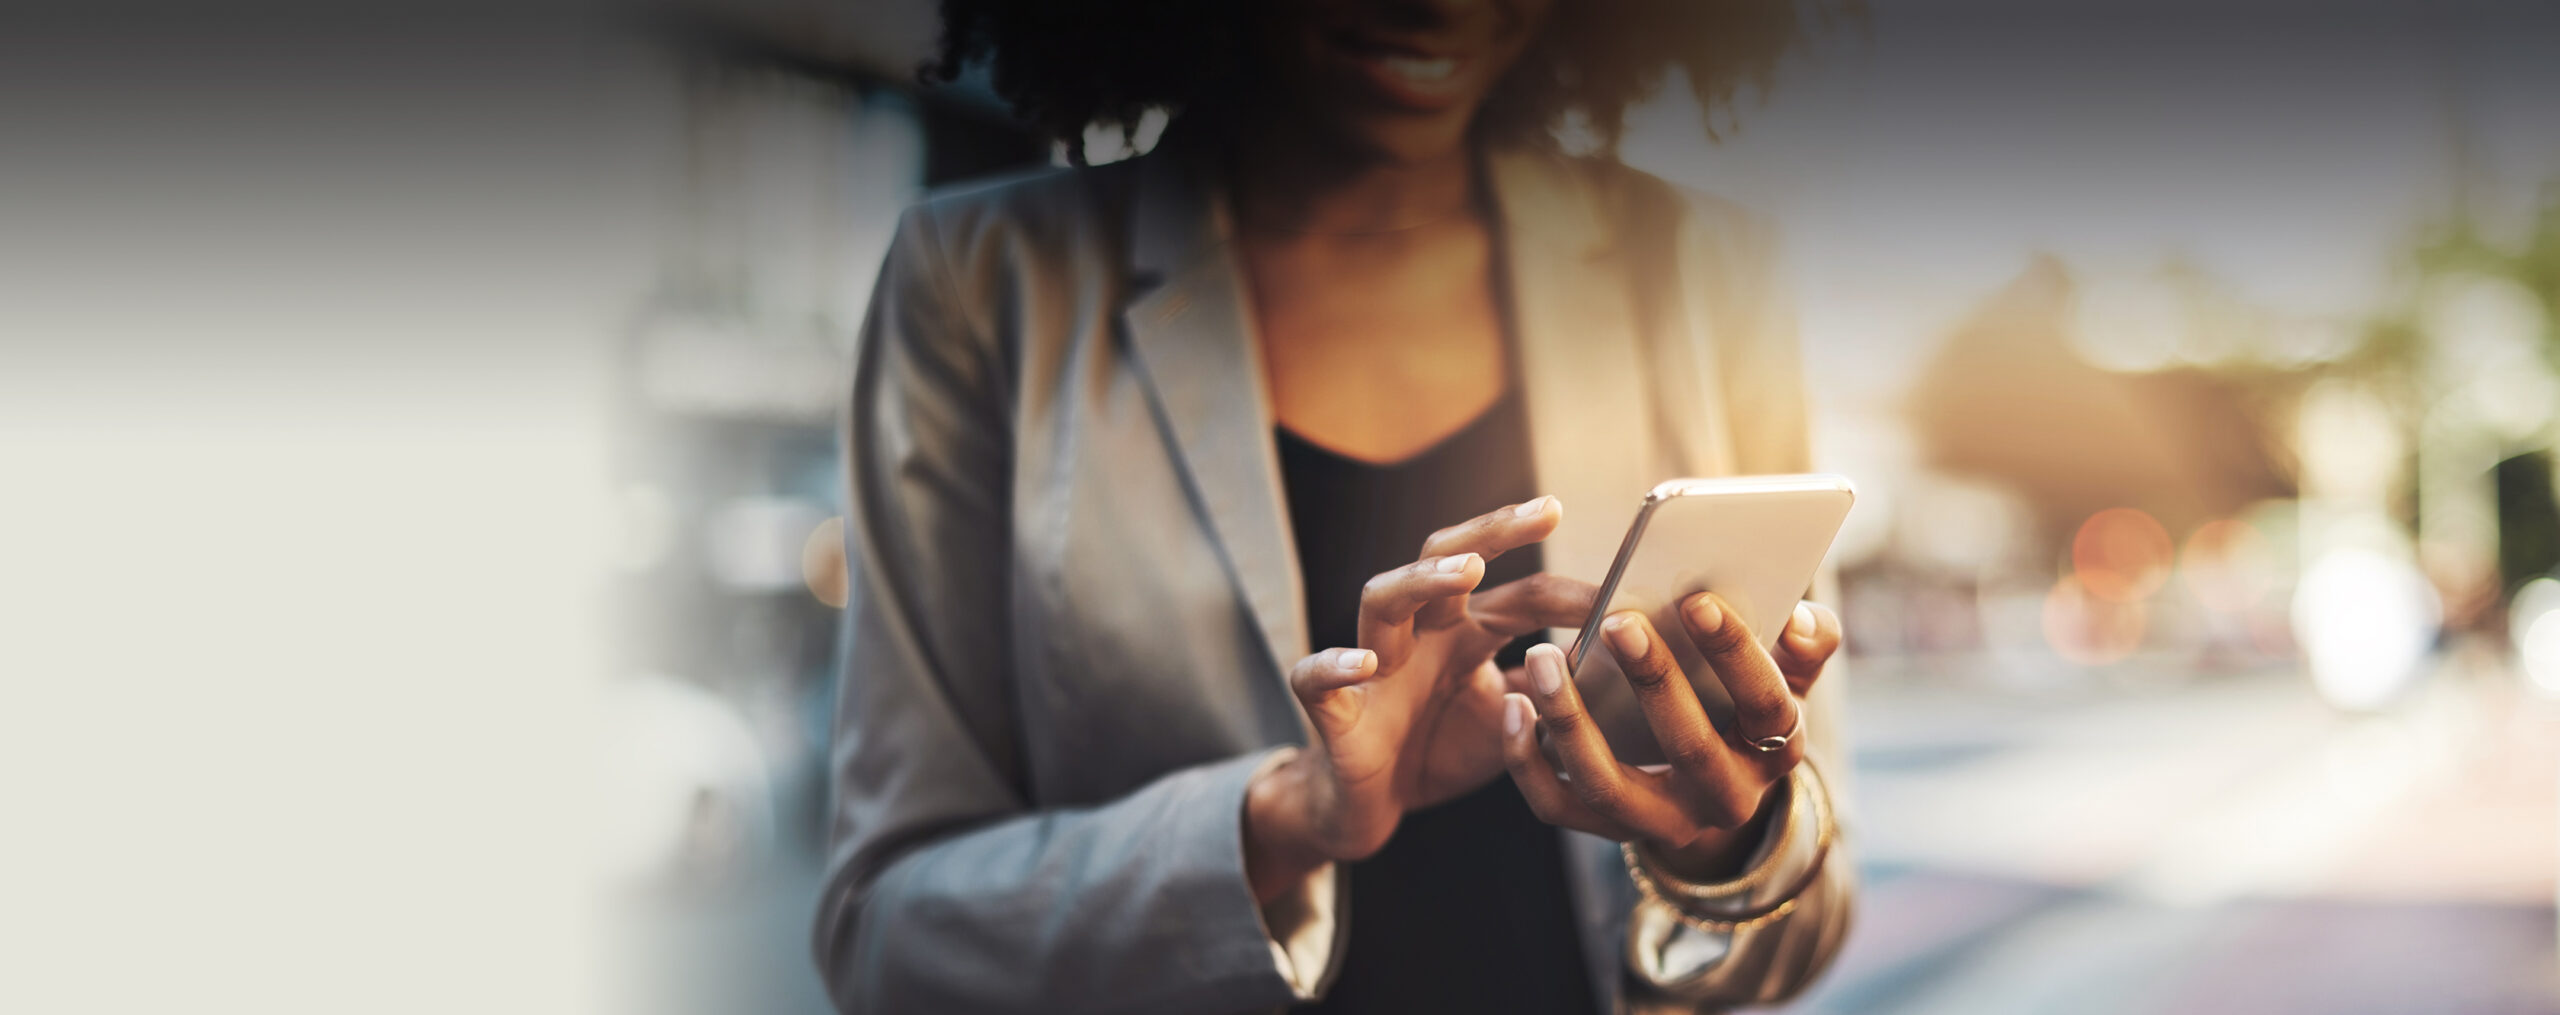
(2472, 347)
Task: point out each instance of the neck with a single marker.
(1301, 188)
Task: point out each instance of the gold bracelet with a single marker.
(1650, 883)
(1818, 797)
(1751, 878)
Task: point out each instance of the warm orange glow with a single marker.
(2228, 565)
(2122, 555)
(822, 563)
(2090, 630)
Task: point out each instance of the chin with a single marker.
(1404, 138)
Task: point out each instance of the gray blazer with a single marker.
(1075, 596)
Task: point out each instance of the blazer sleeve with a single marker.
(1742, 351)
(945, 889)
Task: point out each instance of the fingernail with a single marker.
(1626, 635)
(1704, 615)
(1802, 623)
(1546, 669)
(1533, 507)
(1352, 660)
(1455, 564)
(1515, 711)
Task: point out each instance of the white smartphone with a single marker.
(1757, 541)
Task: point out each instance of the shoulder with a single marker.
(1646, 215)
(1715, 262)
(1642, 202)
(974, 274)
(1023, 213)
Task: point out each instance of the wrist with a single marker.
(1279, 851)
(1720, 854)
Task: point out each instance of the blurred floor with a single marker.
(2143, 843)
(2226, 845)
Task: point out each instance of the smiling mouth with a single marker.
(1418, 68)
(1409, 75)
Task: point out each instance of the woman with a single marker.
(1321, 372)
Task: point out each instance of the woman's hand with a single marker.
(1701, 814)
(1413, 715)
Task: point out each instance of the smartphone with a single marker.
(1757, 541)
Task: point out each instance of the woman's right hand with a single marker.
(1412, 716)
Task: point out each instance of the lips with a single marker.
(1412, 76)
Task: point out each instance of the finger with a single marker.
(1762, 706)
(1328, 684)
(1389, 601)
(1630, 798)
(1517, 679)
(1488, 535)
(1812, 637)
(1532, 604)
(1549, 798)
(1689, 739)
(1498, 531)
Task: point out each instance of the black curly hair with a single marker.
(1065, 65)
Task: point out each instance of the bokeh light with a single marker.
(2534, 623)
(822, 562)
(2092, 630)
(2122, 555)
(2365, 620)
(2228, 565)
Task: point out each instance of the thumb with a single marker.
(1329, 684)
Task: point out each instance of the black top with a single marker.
(1465, 910)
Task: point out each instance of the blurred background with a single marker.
(2196, 361)
(2197, 368)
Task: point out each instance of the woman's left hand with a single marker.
(1694, 816)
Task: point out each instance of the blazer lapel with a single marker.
(1609, 370)
(1580, 357)
(1190, 330)
(1581, 350)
